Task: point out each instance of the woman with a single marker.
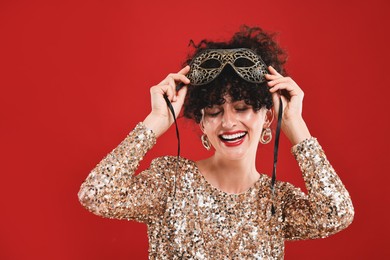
(222, 207)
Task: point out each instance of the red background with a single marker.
(75, 78)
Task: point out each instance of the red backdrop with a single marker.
(75, 78)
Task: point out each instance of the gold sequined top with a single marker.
(187, 218)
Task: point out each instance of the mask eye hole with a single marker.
(243, 62)
(210, 64)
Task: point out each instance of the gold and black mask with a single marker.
(208, 64)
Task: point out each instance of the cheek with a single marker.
(253, 119)
(210, 125)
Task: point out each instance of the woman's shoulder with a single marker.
(281, 187)
(265, 179)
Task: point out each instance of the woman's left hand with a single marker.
(293, 124)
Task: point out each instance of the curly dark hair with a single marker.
(228, 82)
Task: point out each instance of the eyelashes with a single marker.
(214, 112)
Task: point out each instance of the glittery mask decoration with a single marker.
(208, 64)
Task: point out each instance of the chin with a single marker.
(233, 155)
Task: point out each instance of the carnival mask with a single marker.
(208, 64)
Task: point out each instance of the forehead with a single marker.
(227, 100)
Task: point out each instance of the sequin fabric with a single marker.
(187, 218)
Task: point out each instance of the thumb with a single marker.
(182, 94)
(275, 100)
(178, 104)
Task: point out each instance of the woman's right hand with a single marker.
(160, 118)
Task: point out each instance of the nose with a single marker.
(229, 119)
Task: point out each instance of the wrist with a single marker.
(296, 130)
(158, 124)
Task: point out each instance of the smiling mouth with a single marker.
(232, 137)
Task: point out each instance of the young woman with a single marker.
(222, 207)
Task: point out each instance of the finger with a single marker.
(180, 78)
(167, 89)
(293, 90)
(178, 104)
(184, 70)
(284, 84)
(176, 77)
(185, 81)
(279, 80)
(275, 100)
(181, 95)
(172, 88)
(284, 103)
(272, 77)
(273, 71)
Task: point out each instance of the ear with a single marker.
(269, 118)
(201, 126)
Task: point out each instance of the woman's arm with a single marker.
(111, 190)
(327, 208)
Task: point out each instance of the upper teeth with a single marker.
(233, 136)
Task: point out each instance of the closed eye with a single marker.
(242, 109)
(213, 114)
(212, 111)
(241, 106)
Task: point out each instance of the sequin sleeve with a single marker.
(112, 190)
(327, 208)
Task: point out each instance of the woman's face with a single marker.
(233, 128)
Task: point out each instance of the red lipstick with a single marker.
(233, 138)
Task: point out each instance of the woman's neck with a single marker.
(230, 176)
